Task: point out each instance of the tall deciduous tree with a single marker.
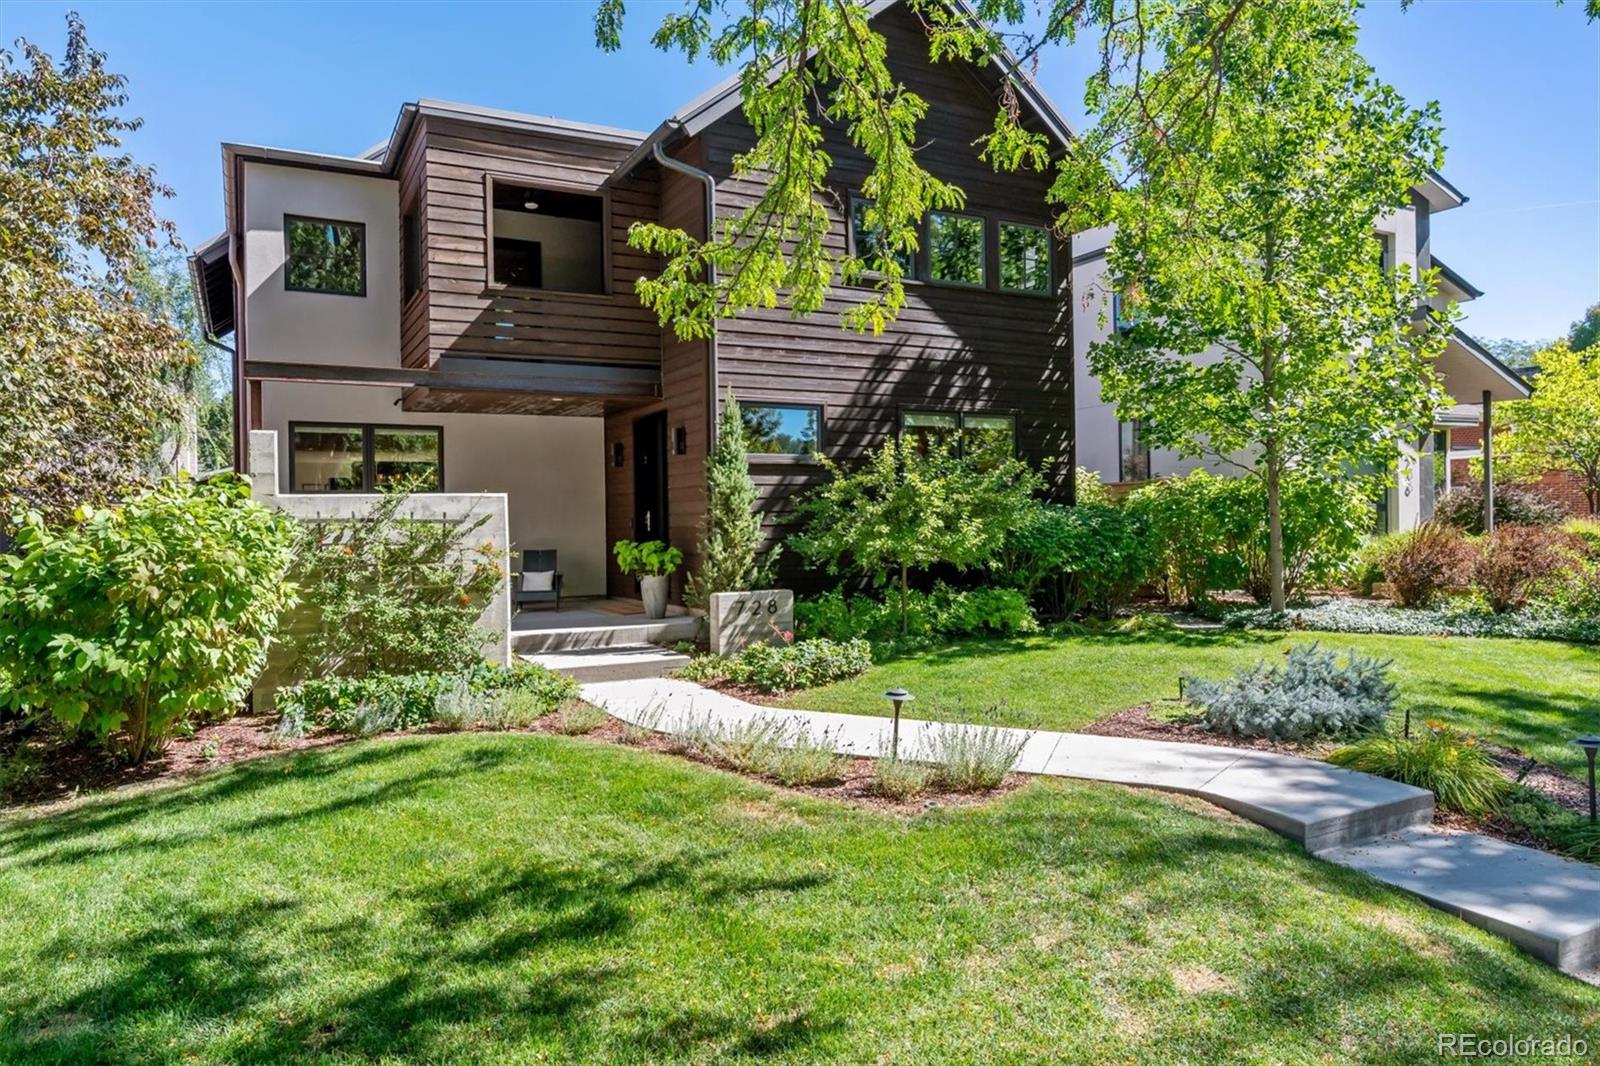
(1266, 334)
(1558, 428)
(1585, 332)
(89, 380)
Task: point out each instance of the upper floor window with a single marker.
(1385, 251)
(355, 458)
(323, 255)
(1024, 258)
(544, 238)
(955, 249)
(410, 256)
(1133, 452)
(781, 429)
(866, 241)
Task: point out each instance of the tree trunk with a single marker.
(1275, 529)
(903, 623)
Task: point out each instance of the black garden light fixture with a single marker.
(1590, 744)
(898, 696)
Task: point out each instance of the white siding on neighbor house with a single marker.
(313, 327)
(551, 468)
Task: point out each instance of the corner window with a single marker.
(322, 255)
(1133, 452)
(867, 243)
(955, 249)
(543, 238)
(972, 436)
(1024, 258)
(781, 429)
(341, 458)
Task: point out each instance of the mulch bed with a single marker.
(72, 771)
(1139, 723)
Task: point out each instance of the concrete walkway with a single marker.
(1547, 905)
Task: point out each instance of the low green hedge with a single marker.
(1463, 618)
(944, 614)
(408, 700)
(784, 667)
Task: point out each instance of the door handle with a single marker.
(647, 522)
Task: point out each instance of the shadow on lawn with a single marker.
(979, 648)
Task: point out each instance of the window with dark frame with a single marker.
(867, 242)
(546, 238)
(781, 429)
(956, 253)
(1024, 258)
(411, 255)
(326, 457)
(966, 434)
(1133, 452)
(324, 255)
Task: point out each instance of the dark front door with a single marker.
(650, 477)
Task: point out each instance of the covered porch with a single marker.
(1476, 380)
(593, 622)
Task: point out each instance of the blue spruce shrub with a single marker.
(1311, 694)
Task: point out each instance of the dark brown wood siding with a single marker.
(978, 351)
(684, 390)
(466, 314)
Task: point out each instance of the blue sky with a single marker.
(1518, 81)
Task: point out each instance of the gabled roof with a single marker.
(1439, 193)
(1460, 284)
(724, 98)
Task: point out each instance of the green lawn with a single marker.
(532, 898)
(1532, 695)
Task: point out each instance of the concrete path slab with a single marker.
(1548, 905)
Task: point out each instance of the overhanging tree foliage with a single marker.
(90, 381)
(1266, 334)
(1558, 428)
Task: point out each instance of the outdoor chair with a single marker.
(540, 581)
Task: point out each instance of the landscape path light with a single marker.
(1590, 744)
(898, 696)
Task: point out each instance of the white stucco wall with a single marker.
(314, 327)
(551, 468)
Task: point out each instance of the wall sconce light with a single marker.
(680, 440)
(616, 453)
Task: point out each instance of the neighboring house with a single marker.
(457, 305)
(1472, 376)
(1563, 486)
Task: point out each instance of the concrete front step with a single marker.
(628, 662)
(668, 630)
(1546, 905)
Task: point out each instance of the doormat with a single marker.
(619, 607)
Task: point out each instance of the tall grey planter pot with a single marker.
(655, 589)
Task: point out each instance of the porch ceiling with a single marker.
(1468, 370)
(513, 403)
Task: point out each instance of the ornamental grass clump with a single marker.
(1310, 694)
(1445, 761)
(897, 780)
(576, 719)
(968, 758)
(808, 760)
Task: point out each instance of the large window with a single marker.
(867, 241)
(322, 255)
(781, 429)
(543, 238)
(1133, 453)
(955, 249)
(1024, 258)
(964, 433)
(341, 458)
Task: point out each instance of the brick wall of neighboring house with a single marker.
(1559, 485)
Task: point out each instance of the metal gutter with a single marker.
(665, 160)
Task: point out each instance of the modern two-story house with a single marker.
(457, 306)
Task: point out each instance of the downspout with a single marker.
(710, 183)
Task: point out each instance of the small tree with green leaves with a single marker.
(1558, 428)
(730, 534)
(906, 509)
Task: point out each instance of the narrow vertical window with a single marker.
(867, 241)
(955, 249)
(1133, 453)
(1024, 258)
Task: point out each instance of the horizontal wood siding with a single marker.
(468, 315)
(980, 351)
(684, 397)
(414, 340)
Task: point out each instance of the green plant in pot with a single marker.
(653, 563)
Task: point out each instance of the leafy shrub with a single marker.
(575, 719)
(1310, 694)
(142, 618)
(1088, 488)
(1365, 569)
(1574, 590)
(899, 780)
(389, 595)
(704, 669)
(1189, 538)
(968, 758)
(944, 613)
(1458, 619)
(1512, 558)
(1514, 505)
(1586, 534)
(1088, 557)
(413, 699)
(1421, 564)
(1445, 761)
(805, 664)
(652, 558)
(1565, 830)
